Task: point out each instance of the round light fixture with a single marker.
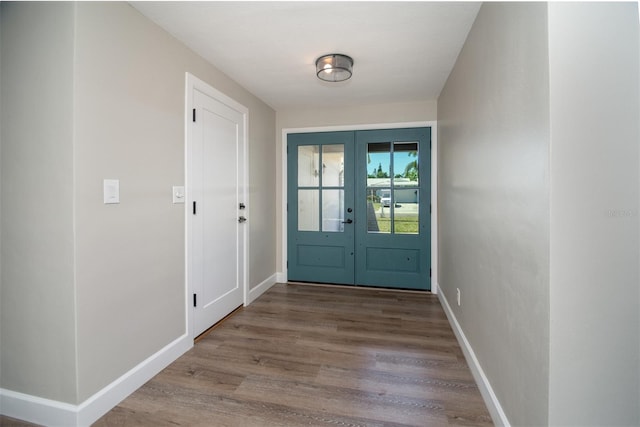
(334, 67)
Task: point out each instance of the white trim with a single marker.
(36, 409)
(192, 83)
(283, 222)
(434, 184)
(53, 413)
(490, 398)
(281, 277)
(434, 287)
(263, 287)
(370, 126)
(434, 209)
(188, 130)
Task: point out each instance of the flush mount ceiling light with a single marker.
(334, 67)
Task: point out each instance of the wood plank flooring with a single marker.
(319, 356)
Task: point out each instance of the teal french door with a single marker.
(358, 208)
(320, 207)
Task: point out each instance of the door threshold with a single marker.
(370, 288)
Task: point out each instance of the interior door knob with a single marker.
(349, 221)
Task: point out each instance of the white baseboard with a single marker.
(53, 413)
(490, 398)
(434, 287)
(263, 287)
(37, 410)
(281, 277)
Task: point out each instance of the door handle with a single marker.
(242, 219)
(349, 221)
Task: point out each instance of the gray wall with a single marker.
(539, 183)
(129, 120)
(1, 9)
(105, 282)
(37, 285)
(493, 121)
(594, 359)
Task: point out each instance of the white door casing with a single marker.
(216, 169)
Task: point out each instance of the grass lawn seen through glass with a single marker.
(404, 223)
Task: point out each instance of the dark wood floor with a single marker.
(311, 355)
(12, 422)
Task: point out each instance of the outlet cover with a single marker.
(111, 191)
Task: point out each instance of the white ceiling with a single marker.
(402, 51)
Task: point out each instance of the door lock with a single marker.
(242, 219)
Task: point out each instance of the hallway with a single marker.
(316, 355)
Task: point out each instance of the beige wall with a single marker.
(37, 285)
(129, 125)
(493, 125)
(594, 288)
(538, 139)
(105, 87)
(1, 9)
(339, 116)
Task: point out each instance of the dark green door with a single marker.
(359, 208)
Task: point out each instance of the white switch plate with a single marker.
(178, 194)
(111, 191)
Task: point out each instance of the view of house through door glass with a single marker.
(359, 208)
(393, 188)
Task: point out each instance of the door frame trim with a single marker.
(191, 83)
(282, 277)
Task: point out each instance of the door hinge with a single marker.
(194, 207)
(194, 114)
(429, 272)
(287, 264)
(195, 300)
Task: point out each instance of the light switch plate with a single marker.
(178, 194)
(111, 191)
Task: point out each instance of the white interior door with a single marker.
(216, 195)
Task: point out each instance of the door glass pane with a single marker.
(405, 184)
(333, 165)
(308, 212)
(378, 164)
(392, 187)
(378, 215)
(405, 211)
(379, 187)
(308, 166)
(332, 210)
(405, 164)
